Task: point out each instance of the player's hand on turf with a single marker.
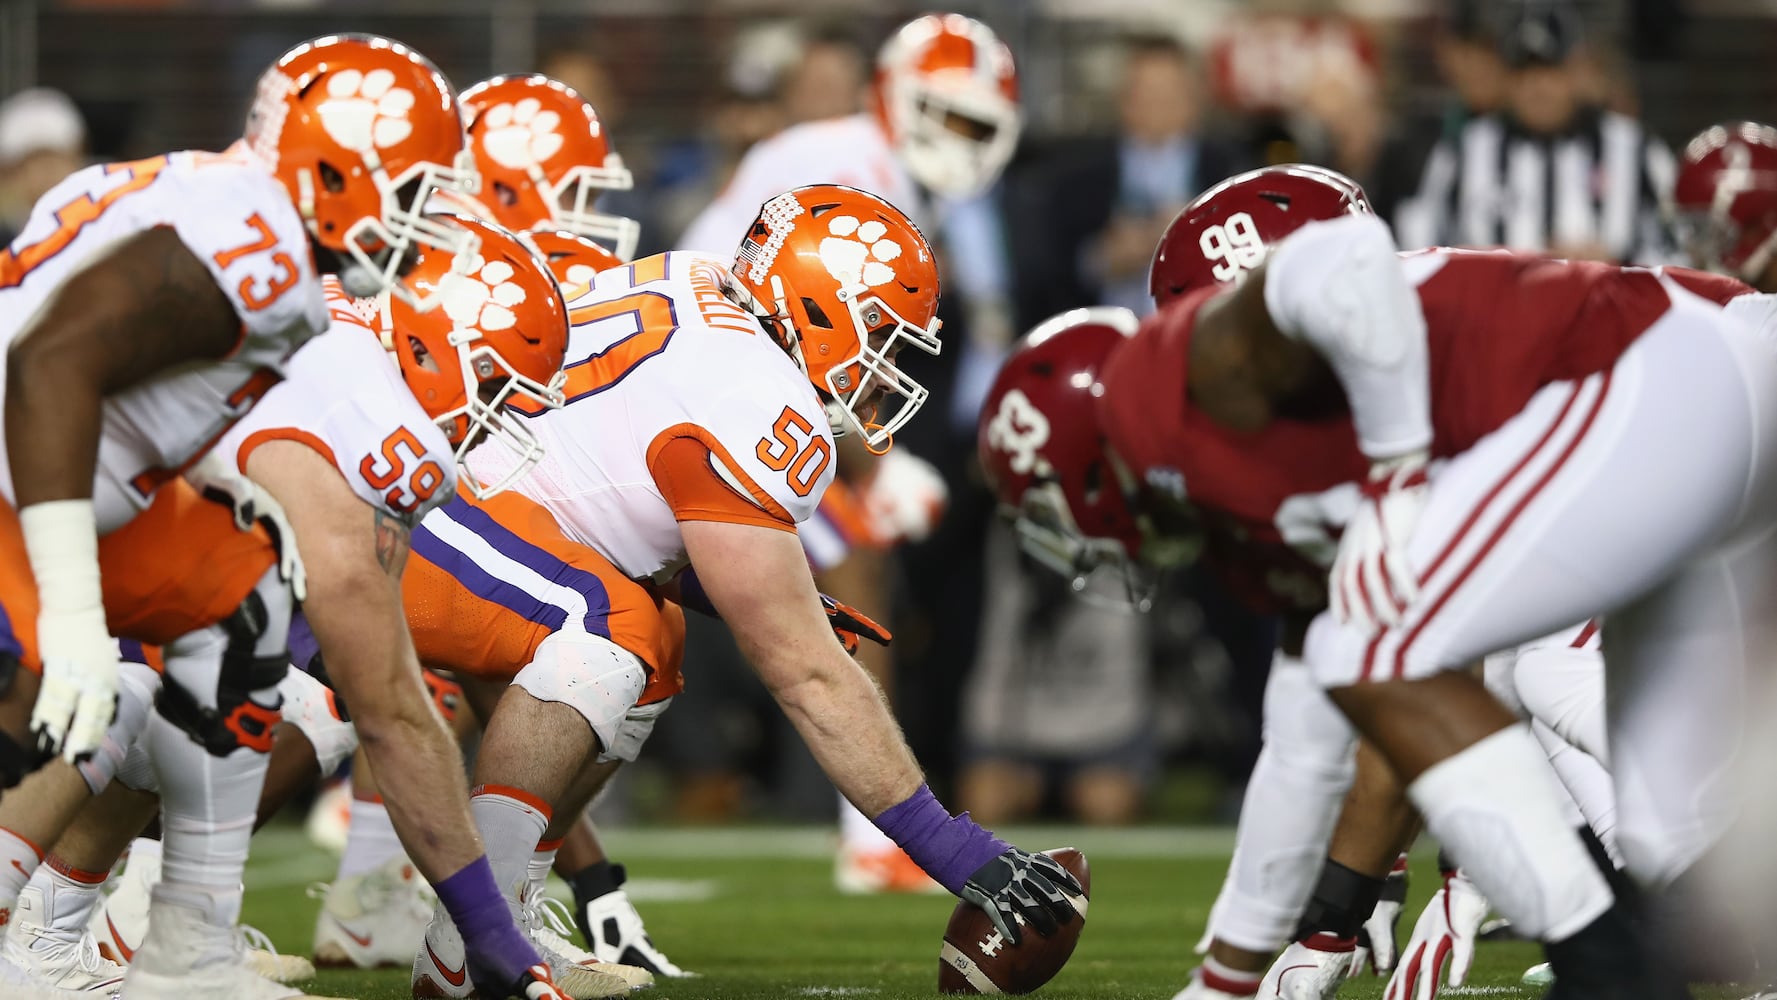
(1018, 884)
(221, 482)
(1372, 582)
(1378, 936)
(78, 696)
(850, 625)
(1445, 933)
(536, 984)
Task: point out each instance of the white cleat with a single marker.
(1196, 990)
(618, 936)
(187, 957)
(546, 923)
(376, 920)
(867, 871)
(17, 984)
(1541, 977)
(1311, 969)
(120, 923)
(56, 957)
(441, 968)
(330, 818)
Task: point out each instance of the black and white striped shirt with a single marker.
(1602, 183)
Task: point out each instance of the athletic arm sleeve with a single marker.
(686, 473)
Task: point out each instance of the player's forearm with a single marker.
(841, 715)
(52, 429)
(371, 659)
(1338, 287)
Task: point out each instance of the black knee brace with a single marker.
(237, 720)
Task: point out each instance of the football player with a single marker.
(943, 123)
(1726, 201)
(211, 261)
(699, 428)
(1574, 329)
(378, 415)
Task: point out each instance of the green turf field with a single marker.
(754, 911)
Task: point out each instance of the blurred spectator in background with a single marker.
(1469, 60)
(1058, 706)
(1083, 227)
(831, 79)
(42, 140)
(1550, 171)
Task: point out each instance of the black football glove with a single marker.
(1018, 884)
(850, 624)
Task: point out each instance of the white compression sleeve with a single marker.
(1338, 286)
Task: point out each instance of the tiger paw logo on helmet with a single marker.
(484, 297)
(366, 111)
(858, 254)
(520, 134)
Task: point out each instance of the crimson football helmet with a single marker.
(1226, 231)
(498, 336)
(846, 280)
(361, 130)
(1043, 450)
(946, 93)
(1726, 199)
(545, 158)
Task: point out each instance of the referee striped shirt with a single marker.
(1602, 183)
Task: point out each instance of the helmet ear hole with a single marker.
(331, 178)
(815, 314)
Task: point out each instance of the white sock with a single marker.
(19, 858)
(370, 839)
(542, 861)
(511, 822)
(856, 830)
(1495, 807)
(1586, 782)
(208, 805)
(69, 895)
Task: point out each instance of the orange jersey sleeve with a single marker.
(689, 483)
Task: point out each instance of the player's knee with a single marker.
(137, 683)
(245, 708)
(592, 675)
(1304, 730)
(313, 710)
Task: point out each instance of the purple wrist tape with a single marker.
(949, 848)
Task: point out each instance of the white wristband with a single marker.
(62, 542)
(1338, 286)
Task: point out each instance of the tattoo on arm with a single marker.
(392, 539)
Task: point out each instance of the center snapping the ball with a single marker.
(975, 959)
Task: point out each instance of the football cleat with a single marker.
(862, 871)
(612, 926)
(546, 923)
(120, 923)
(56, 957)
(441, 968)
(330, 818)
(187, 956)
(376, 920)
(1310, 969)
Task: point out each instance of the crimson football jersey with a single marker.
(1499, 327)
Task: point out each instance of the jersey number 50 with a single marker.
(784, 451)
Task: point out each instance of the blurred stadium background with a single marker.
(1022, 703)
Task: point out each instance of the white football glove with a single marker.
(905, 497)
(1311, 969)
(1445, 933)
(1372, 582)
(1376, 939)
(614, 930)
(217, 479)
(78, 696)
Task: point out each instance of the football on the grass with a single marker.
(975, 959)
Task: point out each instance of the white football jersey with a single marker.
(657, 352)
(852, 151)
(343, 397)
(235, 218)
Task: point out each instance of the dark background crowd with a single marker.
(1019, 698)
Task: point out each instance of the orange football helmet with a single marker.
(499, 332)
(573, 260)
(847, 280)
(947, 95)
(544, 158)
(361, 130)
